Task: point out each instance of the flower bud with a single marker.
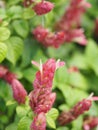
(90, 123)
(43, 7)
(39, 122)
(19, 93)
(3, 71)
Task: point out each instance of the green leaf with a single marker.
(50, 122)
(10, 102)
(4, 33)
(12, 126)
(72, 95)
(63, 107)
(78, 121)
(28, 13)
(21, 111)
(15, 12)
(24, 124)
(2, 13)
(12, 2)
(21, 27)
(29, 74)
(62, 128)
(62, 75)
(91, 54)
(53, 113)
(3, 51)
(78, 60)
(15, 47)
(78, 80)
(4, 119)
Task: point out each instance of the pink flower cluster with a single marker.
(47, 38)
(90, 123)
(40, 8)
(82, 106)
(42, 97)
(70, 21)
(68, 27)
(19, 93)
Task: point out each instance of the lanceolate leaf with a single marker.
(24, 124)
(15, 48)
(4, 33)
(50, 122)
(3, 51)
(92, 55)
(21, 27)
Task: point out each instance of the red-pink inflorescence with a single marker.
(82, 106)
(48, 38)
(40, 8)
(39, 122)
(42, 97)
(43, 7)
(90, 123)
(19, 93)
(67, 28)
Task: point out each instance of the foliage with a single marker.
(18, 47)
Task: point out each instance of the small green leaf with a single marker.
(29, 74)
(53, 113)
(21, 27)
(15, 47)
(50, 122)
(15, 12)
(28, 13)
(24, 123)
(4, 33)
(62, 128)
(10, 102)
(2, 13)
(3, 51)
(91, 54)
(21, 111)
(78, 80)
(12, 126)
(13, 2)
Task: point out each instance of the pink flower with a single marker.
(40, 102)
(3, 71)
(76, 35)
(47, 38)
(54, 39)
(39, 122)
(41, 98)
(44, 77)
(40, 33)
(76, 111)
(9, 77)
(19, 93)
(43, 7)
(90, 122)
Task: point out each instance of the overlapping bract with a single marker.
(82, 106)
(42, 97)
(67, 28)
(40, 8)
(90, 123)
(19, 93)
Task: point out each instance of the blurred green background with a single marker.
(18, 47)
